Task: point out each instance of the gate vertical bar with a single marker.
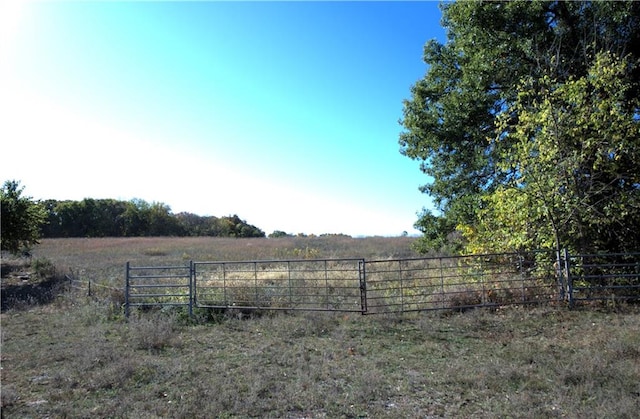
(485, 297)
(255, 283)
(290, 282)
(126, 291)
(224, 284)
(442, 300)
(401, 286)
(363, 286)
(326, 283)
(522, 276)
(192, 287)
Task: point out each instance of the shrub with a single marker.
(43, 268)
(153, 332)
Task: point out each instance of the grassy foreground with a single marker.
(76, 356)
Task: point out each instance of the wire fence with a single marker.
(386, 286)
(88, 286)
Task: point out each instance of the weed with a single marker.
(153, 332)
(154, 251)
(43, 268)
(9, 396)
(306, 253)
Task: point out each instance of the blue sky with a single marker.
(285, 113)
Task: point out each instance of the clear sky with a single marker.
(285, 113)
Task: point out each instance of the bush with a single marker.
(43, 268)
(21, 218)
(153, 332)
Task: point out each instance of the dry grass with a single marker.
(102, 260)
(78, 357)
(74, 359)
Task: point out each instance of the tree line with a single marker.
(25, 221)
(134, 218)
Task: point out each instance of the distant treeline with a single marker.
(114, 218)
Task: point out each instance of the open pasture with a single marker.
(103, 259)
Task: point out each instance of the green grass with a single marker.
(78, 357)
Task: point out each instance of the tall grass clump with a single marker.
(153, 331)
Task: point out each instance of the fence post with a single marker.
(567, 270)
(126, 291)
(522, 277)
(363, 286)
(560, 265)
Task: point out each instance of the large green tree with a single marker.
(574, 151)
(21, 218)
(477, 122)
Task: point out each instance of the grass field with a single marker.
(76, 356)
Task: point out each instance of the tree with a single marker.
(21, 218)
(161, 221)
(234, 226)
(195, 225)
(279, 234)
(573, 152)
(462, 120)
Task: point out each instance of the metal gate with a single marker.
(314, 285)
(460, 282)
(602, 277)
(147, 286)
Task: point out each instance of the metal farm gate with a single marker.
(460, 282)
(314, 285)
(147, 286)
(387, 286)
(602, 277)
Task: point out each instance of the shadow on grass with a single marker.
(25, 294)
